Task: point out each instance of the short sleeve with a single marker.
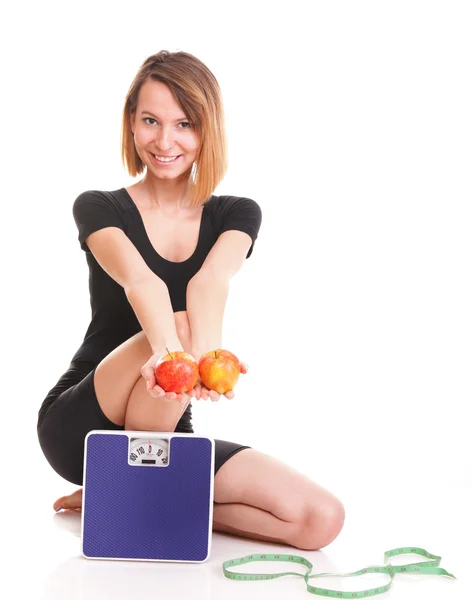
(242, 214)
(95, 210)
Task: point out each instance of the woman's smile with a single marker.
(167, 161)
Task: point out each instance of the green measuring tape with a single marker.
(426, 567)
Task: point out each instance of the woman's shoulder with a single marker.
(234, 212)
(115, 199)
(228, 203)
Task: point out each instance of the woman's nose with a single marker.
(165, 138)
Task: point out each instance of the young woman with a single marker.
(161, 254)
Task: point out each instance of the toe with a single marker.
(72, 501)
(58, 504)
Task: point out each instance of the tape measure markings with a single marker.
(425, 567)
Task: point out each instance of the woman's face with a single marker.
(162, 129)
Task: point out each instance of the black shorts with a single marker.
(71, 410)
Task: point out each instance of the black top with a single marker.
(113, 320)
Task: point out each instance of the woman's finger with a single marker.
(229, 395)
(214, 396)
(156, 391)
(151, 386)
(197, 389)
(149, 375)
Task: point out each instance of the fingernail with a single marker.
(58, 508)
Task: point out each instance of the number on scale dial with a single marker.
(148, 451)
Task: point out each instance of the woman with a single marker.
(161, 254)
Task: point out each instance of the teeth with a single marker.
(165, 159)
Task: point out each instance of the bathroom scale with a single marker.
(147, 496)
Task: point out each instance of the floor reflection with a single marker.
(79, 578)
(84, 579)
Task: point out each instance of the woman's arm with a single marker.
(207, 291)
(183, 330)
(150, 301)
(147, 294)
(206, 298)
(209, 306)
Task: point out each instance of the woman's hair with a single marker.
(197, 92)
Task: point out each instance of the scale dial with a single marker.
(148, 451)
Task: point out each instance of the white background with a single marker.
(349, 123)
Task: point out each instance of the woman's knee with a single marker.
(146, 413)
(117, 374)
(320, 525)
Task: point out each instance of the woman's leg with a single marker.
(258, 497)
(146, 413)
(120, 388)
(116, 377)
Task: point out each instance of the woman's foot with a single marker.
(71, 502)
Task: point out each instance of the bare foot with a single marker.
(71, 502)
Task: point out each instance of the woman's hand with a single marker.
(148, 372)
(202, 392)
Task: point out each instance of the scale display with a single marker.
(148, 451)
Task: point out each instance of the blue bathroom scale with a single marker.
(147, 496)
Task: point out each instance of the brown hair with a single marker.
(197, 92)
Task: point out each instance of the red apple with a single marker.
(177, 372)
(219, 370)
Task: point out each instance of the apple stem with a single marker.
(168, 352)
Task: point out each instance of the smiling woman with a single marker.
(174, 107)
(161, 254)
(163, 140)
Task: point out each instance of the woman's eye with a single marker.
(145, 119)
